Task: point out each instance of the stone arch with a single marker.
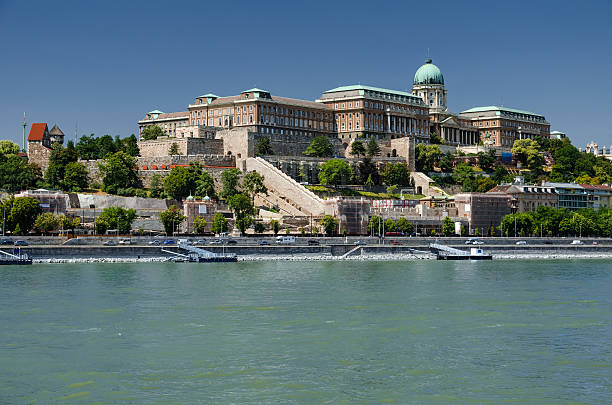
(394, 153)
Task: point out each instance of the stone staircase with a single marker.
(288, 195)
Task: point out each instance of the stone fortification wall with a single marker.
(148, 166)
(39, 155)
(186, 146)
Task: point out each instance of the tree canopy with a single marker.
(243, 211)
(171, 219)
(320, 146)
(116, 218)
(21, 213)
(152, 132)
(253, 184)
(330, 225)
(372, 148)
(264, 147)
(92, 148)
(426, 157)
(357, 148)
(118, 170)
(396, 174)
(335, 172)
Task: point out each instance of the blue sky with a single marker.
(105, 64)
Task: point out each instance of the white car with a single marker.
(521, 242)
(125, 242)
(577, 242)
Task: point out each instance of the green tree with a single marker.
(179, 183)
(230, 180)
(446, 162)
(264, 147)
(46, 222)
(335, 172)
(75, 177)
(156, 189)
(375, 225)
(372, 148)
(448, 227)
(396, 174)
(320, 146)
(205, 185)
(275, 226)
(368, 172)
(199, 225)
(22, 214)
(118, 170)
(67, 223)
(171, 219)
(463, 172)
(16, 174)
(260, 228)
(527, 151)
(58, 159)
(404, 226)
(426, 157)
(117, 218)
(501, 175)
(243, 211)
(357, 149)
(130, 146)
(435, 139)
(253, 184)
(220, 224)
(330, 225)
(390, 226)
(9, 148)
(174, 149)
(486, 161)
(151, 132)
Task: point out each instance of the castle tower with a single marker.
(429, 85)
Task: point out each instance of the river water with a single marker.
(421, 332)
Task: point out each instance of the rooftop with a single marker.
(37, 131)
(503, 109)
(370, 88)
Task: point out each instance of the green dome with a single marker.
(428, 74)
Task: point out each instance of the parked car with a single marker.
(577, 242)
(21, 243)
(231, 242)
(396, 242)
(285, 240)
(595, 242)
(264, 242)
(200, 242)
(169, 242)
(360, 243)
(125, 242)
(521, 242)
(6, 242)
(215, 242)
(110, 243)
(313, 242)
(155, 242)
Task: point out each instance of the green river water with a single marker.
(415, 332)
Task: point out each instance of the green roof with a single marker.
(155, 112)
(255, 89)
(370, 88)
(209, 95)
(505, 109)
(428, 74)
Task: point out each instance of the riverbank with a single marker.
(312, 257)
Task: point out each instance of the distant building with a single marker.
(527, 197)
(501, 126)
(594, 148)
(571, 195)
(428, 84)
(372, 112)
(483, 210)
(168, 122)
(50, 201)
(557, 135)
(40, 141)
(598, 196)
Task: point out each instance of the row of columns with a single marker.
(403, 125)
(460, 136)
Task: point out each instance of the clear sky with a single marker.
(104, 64)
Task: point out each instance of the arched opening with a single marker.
(229, 153)
(238, 155)
(419, 190)
(388, 155)
(394, 153)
